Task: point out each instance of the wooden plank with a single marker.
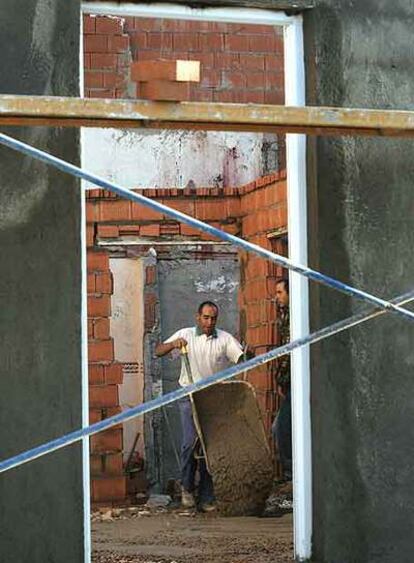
(76, 112)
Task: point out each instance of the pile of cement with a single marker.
(236, 447)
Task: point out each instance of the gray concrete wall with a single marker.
(40, 285)
(360, 54)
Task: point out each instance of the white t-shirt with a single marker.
(207, 354)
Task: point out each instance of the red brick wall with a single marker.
(251, 211)
(108, 483)
(239, 63)
(264, 211)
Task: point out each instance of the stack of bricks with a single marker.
(165, 80)
(108, 482)
(240, 63)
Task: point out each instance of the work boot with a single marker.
(207, 507)
(187, 499)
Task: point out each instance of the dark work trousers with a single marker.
(282, 436)
(188, 461)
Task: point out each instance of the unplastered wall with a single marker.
(253, 211)
(239, 63)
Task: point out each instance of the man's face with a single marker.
(207, 319)
(282, 296)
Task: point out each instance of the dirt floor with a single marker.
(174, 537)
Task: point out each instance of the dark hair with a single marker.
(207, 304)
(285, 282)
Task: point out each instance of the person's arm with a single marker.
(164, 348)
(234, 351)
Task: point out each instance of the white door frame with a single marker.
(294, 74)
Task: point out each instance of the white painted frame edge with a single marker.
(84, 337)
(294, 72)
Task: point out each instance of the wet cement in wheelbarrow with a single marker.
(236, 447)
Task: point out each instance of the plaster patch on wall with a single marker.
(220, 284)
(159, 159)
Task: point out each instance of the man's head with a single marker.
(207, 317)
(282, 292)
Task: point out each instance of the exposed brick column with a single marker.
(108, 481)
(264, 210)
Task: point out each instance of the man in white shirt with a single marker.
(209, 350)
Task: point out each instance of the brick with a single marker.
(150, 230)
(255, 80)
(210, 210)
(96, 374)
(95, 415)
(274, 97)
(91, 212)
(90, 283)
(119, 210)
(107, 441)
(90, 235)
(99, 306)
(186, 42)
(101, 329)
(232, 228)
(101, 351)
(103, 93)
(161, 41)
(163, 90)
(94, 79)
(103, 396)
(106, 464)
(150, 275)
(103, 61)
(188, 231)
(150, 305)
(210, 78)
(113, 80)
(98, 261)
(262, 43)
(170, 229)
(233, 79)
(90, 328)
(107, 231)
(143, 213)
(237, 43)
(108, 25)
(113, 373)
(104, 283)
(148, 24)
(108, 489)
(87, 61)
(211, 42)
(89, 24)
(205, 95)
(175, 70)
(129, 230)
(227, 96)
(252, 62)
(118, 43)
(231, 61)
(95, 44)
(184, 206)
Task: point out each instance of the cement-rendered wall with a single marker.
(360, 54)
(41, 518)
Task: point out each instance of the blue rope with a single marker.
(129, 194)
(149, 406)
